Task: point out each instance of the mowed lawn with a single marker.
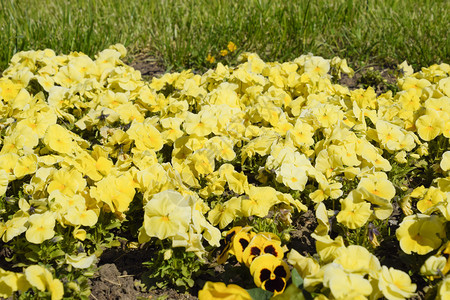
(182, 33)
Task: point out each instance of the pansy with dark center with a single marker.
(226, 247)
(270, 273)
(262, 243)
(240, 242)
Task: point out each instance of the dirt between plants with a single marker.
(120, 270)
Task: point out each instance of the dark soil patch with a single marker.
(149, 66)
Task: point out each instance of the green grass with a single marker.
(183, 32)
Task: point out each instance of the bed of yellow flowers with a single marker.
(219, 165)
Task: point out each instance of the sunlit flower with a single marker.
(270, 273)
(58, 139)
(211, 59)
(41, 227)
(241, 240)
(166, 215)
(354, 213)
(395, 284)
(345, 285)
(81, 261)
(231, 46)
(42, 279)
(420, 233)
(262, 243)
(219, 290)
(304, 265)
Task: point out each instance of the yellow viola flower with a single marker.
(445, 162)
(364, 98)
(377, 185)
(395, 284)
(432, 197)
(13, 227)
(433, 267)
(358, 260)
(42, 279)
(354, 213)
(211, 59)
(231, 46)
(219, 290)
(67, 181)
(145, 136)
(21, 140)
(259, 201)
(270, 273)
(224, 214)
(166, 215)
(9, 89)
(327, 247)
(429, 126)
(25, 165)
(414, 84)
(79, 234)
(317, 66)
(241, 240)
(389, 135)
(200, 124)
(293, 177)
(301, 135)
(305, 266)
(58, 139)
(262, 243)
(444, 288)
(203, 161)
(323, 226)
(228, 244)
(3, 182)
(81, 261)
(116, 192)
(76, 216)
(41, 227)
(11, 282)
(420, 233)
(344, 285)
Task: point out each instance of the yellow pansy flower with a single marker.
(41, 227)
(166, 215)
(262, 243)
(270, 273)
(345, 285)
(58, 139)
(224, 214)
(42, 279)
(429, 126)
(420, 233)
(395, 284)
(231, 46)
(354, 212)
(219, 290)
(305, 266)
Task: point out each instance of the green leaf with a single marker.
(297, 279)
(56, 253)
(260, 294)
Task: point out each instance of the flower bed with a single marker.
(216, 168)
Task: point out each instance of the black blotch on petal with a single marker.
(255, 251)
(271, 249)
(264, 275)
(278, 284)
(280, 272)
(244, 243)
